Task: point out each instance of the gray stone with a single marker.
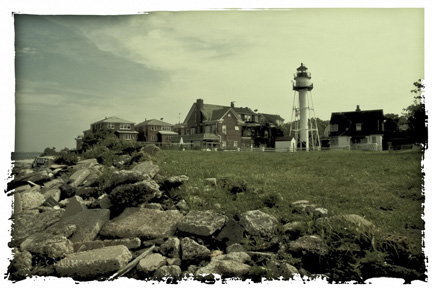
(77, 178)
(174, 261)
(241, 257)
(182, 205)
(151, 262)
(92, 179)
(229, 268)
(142, 222)
(85, 164)
(93, 263)
(74, 206)
(53, 184)
(52, 192)
(231, 233)
(130, 243)
(156, 206)
(122, 177)
(175, 181)
(104, 201)
(191, 250)
(88, 222)
(86, 192)
(147, 167)
(28, 223)
(168, 272)
(310, 244)
(258, 223)
(235, 248)
(22, 262)
(211, 181)
(171, 247)
(49, 243)
(31, 198)
(288, 271)
(132, 195)
(203, 223)
(151, 150)
(350, 224)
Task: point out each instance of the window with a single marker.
(235, 144)
(229, 115)
(237, 128)
(125, 126)
(334, 127)
(208, 129)
(223, 144)
(224, 131)
(153, 127)
(192, 131)
(128, 137)
(110, 125)
(358, 126)
(374, 140)
(153, 138)
(166, 128)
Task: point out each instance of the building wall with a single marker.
(285, 146)
(232, 136)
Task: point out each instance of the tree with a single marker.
(416, 115)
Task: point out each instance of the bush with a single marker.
(67, 158)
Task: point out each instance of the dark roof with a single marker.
(153, 122)
(302, 68)
(114, 119)
(273, 118)
(284, 138)
(370, 119)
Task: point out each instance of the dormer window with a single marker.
(358, 126)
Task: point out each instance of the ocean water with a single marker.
(24, 155)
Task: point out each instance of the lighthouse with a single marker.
(303, 122)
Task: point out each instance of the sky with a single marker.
(73, 70)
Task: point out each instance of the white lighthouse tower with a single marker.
(303, 122)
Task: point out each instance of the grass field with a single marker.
(383, 187)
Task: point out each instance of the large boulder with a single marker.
(131, 195)
(203, 223)
(258, 223)
(93, 263)
(151, 263)
(175, 181)
(49, 243)
(77, 178)
(192, 251)
(143, 223)
(28, 223)
(147, 167)
(122, 177)
(29, 199)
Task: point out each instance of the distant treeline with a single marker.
(24, 155)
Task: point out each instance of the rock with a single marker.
(88, 224)
(122, 177)
(26, 224)
(78, 177)
(168, 272)
(87, 192)
(85, 164)
(258, 223)
(104, 201)
(151, 150)
(203, 223)
(93, 263)
(74, 206)
(350, 224)
(147, 167)
(171, 248)
(151, 262)
(174, 181)
(231, 233)
(52, 192)
(67, 191)
(211, 181)
(53, 184)
(226, 268)
(241, 257)
(310, 244)
(182, 205)
(288, 271)
(235, 248)
(193, 251)
(156, 206)
(130, 243)
(93, 179)
(31, 198)
(143, 223)
(21, 262)
(49, 243)
(174, 261)
(131, 195)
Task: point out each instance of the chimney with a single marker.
(232, 104)
(198, 116)
(358, 108)
(161, 119)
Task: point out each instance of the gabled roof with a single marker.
(370, 120)
(154, 122)
(114, 119)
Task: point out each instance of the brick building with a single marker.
(155, 131)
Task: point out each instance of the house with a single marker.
(357, 130)
(156, 131)
(123, 129)
(226, 127)
(285, 144)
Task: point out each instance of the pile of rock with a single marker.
(90, 222)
